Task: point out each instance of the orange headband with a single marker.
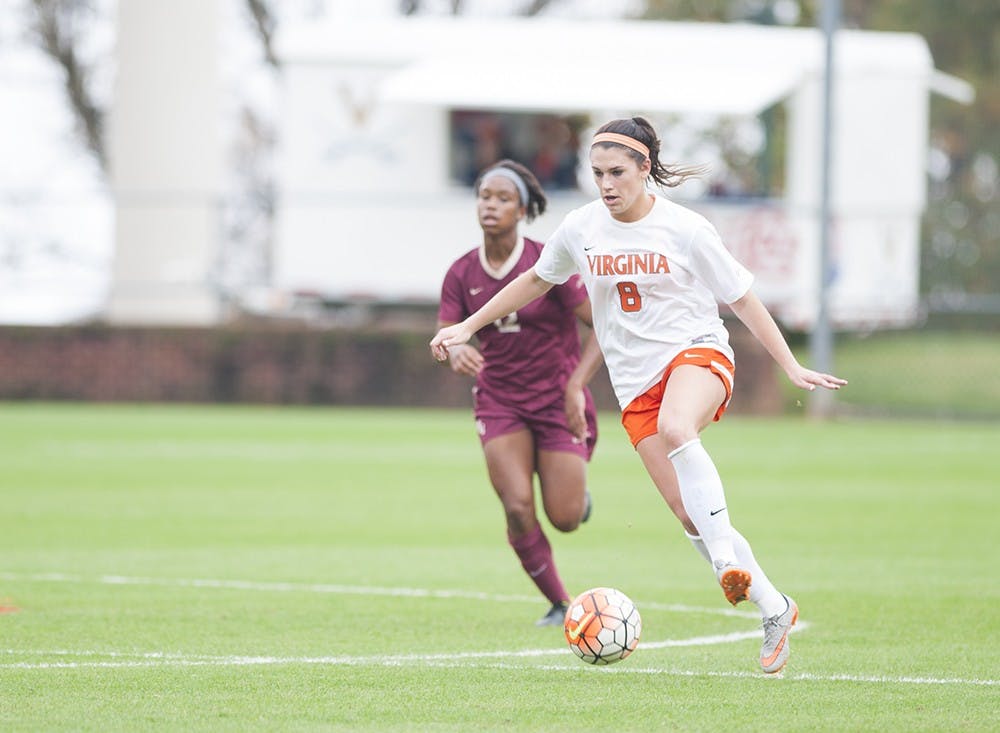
(628, 142)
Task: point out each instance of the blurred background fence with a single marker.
(939, 371)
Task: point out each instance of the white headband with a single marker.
(510, 175)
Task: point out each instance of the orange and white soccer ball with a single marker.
(602, 626)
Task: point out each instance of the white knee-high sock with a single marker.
(704, 499)
(699, 545)
(763, 594)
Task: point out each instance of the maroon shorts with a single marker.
(547, 425)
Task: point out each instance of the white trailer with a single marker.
(368, 209)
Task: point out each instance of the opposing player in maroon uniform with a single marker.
(530, 381)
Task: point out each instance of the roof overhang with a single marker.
(565, 87)
(539, 64)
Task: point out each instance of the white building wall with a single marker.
(878, 182)
(166, 162)
(367, 209)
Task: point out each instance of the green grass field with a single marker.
(949, 374)
(235, 568)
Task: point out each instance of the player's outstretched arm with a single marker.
(517, 293)
(758, 320)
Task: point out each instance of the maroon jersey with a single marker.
(530, 353)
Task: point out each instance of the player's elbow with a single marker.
(537, 283)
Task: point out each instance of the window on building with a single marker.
(547, 144)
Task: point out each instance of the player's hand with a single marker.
(575, 404)
(810, 380)
(465, 359)
(453, 335)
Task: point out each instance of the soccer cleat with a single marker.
(774, 652)
(735, 581)
(556, 615)
(588, 504)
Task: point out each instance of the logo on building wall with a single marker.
(355, 131)
(359, 103)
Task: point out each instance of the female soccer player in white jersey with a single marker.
(655, 272)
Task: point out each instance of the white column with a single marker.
(166, 163)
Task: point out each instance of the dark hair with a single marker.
(537, 202)
(640, 129)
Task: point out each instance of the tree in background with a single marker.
(961, 241)
(60, 28)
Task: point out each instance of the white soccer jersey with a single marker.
(654, 285)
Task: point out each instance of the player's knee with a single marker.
(674, 433)
(520, 517)
(564, 523)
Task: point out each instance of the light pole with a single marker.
(821, 339)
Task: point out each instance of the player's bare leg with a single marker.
(690, 400)
(563, 482)
(510, 460)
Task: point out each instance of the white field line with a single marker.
(361, 590)
(138, 659)
(464, 660)
(118, 660)
(167, 657)
(114, 659)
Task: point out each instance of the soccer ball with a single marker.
(602, 626)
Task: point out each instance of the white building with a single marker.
(370, 206)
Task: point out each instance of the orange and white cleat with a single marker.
(735, 581)
(774, 653)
